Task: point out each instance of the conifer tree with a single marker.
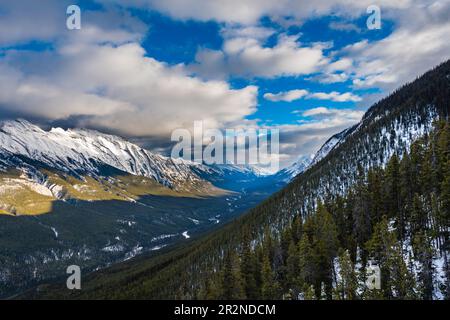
(347, 284)
(418, 215)
(361, 210)
(393, 194)
(381, 248)
(309, 293)
(293, 269)
(269, 286)
(402, 280)
(307, 268)
(248, 270)
(325, 246)
(232, 287)
(423, 252)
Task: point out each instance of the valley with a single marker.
(378, 193)
(95, 234)
(90, 199)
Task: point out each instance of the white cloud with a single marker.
(331, 77)
(287, 96)
(296, 94)
(339, 65)
(249, 32)
(115, 86)
(415, 46)
(308, 136)
(335, 96)
(316, 111)
(335, 72)
(250, 11)
(321, 112)
(23, 21)
(247, 57)
(45, 20)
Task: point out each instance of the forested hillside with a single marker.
(381, 196)
(397, 217)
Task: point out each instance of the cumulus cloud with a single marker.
(335, 96)
(296, 94)
(414, 47)
(114, 85)
(22, 21)
(45, 21)
(248, 57)
(306, 138)
(250, 11)
(331, 77)
(339, 114)
(287, 96)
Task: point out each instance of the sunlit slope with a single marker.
(20, 195)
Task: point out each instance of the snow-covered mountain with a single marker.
(330, 144)
(97, 198)
(80, 153)
(77, 151)
(299, 166)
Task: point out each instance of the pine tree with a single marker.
(211, 290)
(269, 287)
(381, 248)
(402, 280)
(375, 189)
(325, 247)
(297, 228)
(347, 284)
(393, 194)
(423, 251)
(293, 270)
(418, 215)
(232, 287)
(406, 183)
(248, 271)
(416, 158)
(307, 267)
(361, 209)
(308, 293)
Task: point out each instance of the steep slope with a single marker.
(40, 167)
(84, 152)
(61, 161)
(330, 144)
(298, 167)
(389, 127)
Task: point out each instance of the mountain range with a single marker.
(389, 129)
(377, 191)
(126, 199)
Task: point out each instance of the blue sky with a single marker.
(143, 68)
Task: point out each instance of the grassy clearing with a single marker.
(19, 197)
